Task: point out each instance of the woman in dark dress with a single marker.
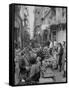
(60, 53)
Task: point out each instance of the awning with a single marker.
(58, 26)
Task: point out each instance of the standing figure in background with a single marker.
(60, 53)
(64, 59)
(51, 48)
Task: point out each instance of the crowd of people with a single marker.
(29, 61)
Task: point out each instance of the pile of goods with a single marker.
(48, 64)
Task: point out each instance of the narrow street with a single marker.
(40, 44)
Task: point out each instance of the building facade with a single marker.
(50, 23)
